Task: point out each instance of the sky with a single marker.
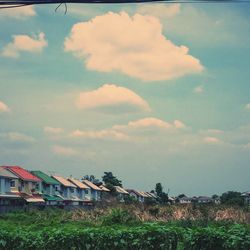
(152, 92)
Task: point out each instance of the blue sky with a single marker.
(152, 92)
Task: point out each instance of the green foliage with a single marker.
(232, 198)
(110, 179)
(55, 230)
(162, 196)
(118, 216)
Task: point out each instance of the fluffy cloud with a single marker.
(211, 140)
(159, 10)
(100, 134)
(66, 151)
(134, 46)
(247, 106)
(151, 123)
(198, 89)
(179, 124)
(110, 95)
(19, 13)
(17, 137)
(3, 107)
(52, 131)
(24, 43)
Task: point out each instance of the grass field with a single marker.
(119, 228)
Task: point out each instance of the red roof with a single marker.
(22, 173)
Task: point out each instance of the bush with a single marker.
(119, 216)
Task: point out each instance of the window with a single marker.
(12, 183)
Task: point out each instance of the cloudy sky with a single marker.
(152, 92)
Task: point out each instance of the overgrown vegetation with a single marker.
(125, 227)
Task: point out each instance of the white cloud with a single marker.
(19, 137)
(25, 43)
(66, 151)
(100, 134)
(110, 95)
(179, 124)
(19, 13)
(4, 107)
(198, 90)
(159, 10)
(134, 46)
(151, 123)
(247, 106)
(52, 130)
(211, 140)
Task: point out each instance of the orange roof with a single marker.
(104, 188)
(91, 185)
(78, 183)
(120, 190)
(64, 181)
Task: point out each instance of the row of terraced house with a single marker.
(19, 187)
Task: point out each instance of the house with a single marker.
(6, 179)
(185, 200)
(104, 189)
(94, 190)
(203, 200)
(246, 196)
(82, 191)
(136, 194)
(122, 193)
(67, 191)
(48, 188)
(26, 185)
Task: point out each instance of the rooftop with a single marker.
(91, 185)
(22, 173)
(78, 183)
(64, 181)
(7, 174)
(45, 178)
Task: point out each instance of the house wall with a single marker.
(24, 186)
(4, 185)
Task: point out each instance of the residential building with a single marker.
(67, 190)
(83, 191)
(136, 194)
(246, 196)
(6, 180)
(94, 190)
(26, 185)
(122, 193)
(48, 187)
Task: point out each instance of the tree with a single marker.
(110, 179)
(162, 196)
(232, 198)
(158, 189)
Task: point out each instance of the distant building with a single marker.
(83, 191)
(185, 200)
(95, 190)
(121, 193)
(246, 196)
(67, 191)
(6, 179)
(203, 200)
(136, 194)
(26, 185)
(48, 188)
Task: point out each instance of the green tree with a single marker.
(162, 196)
(110, 179)
(232, 198)
(158, 189)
